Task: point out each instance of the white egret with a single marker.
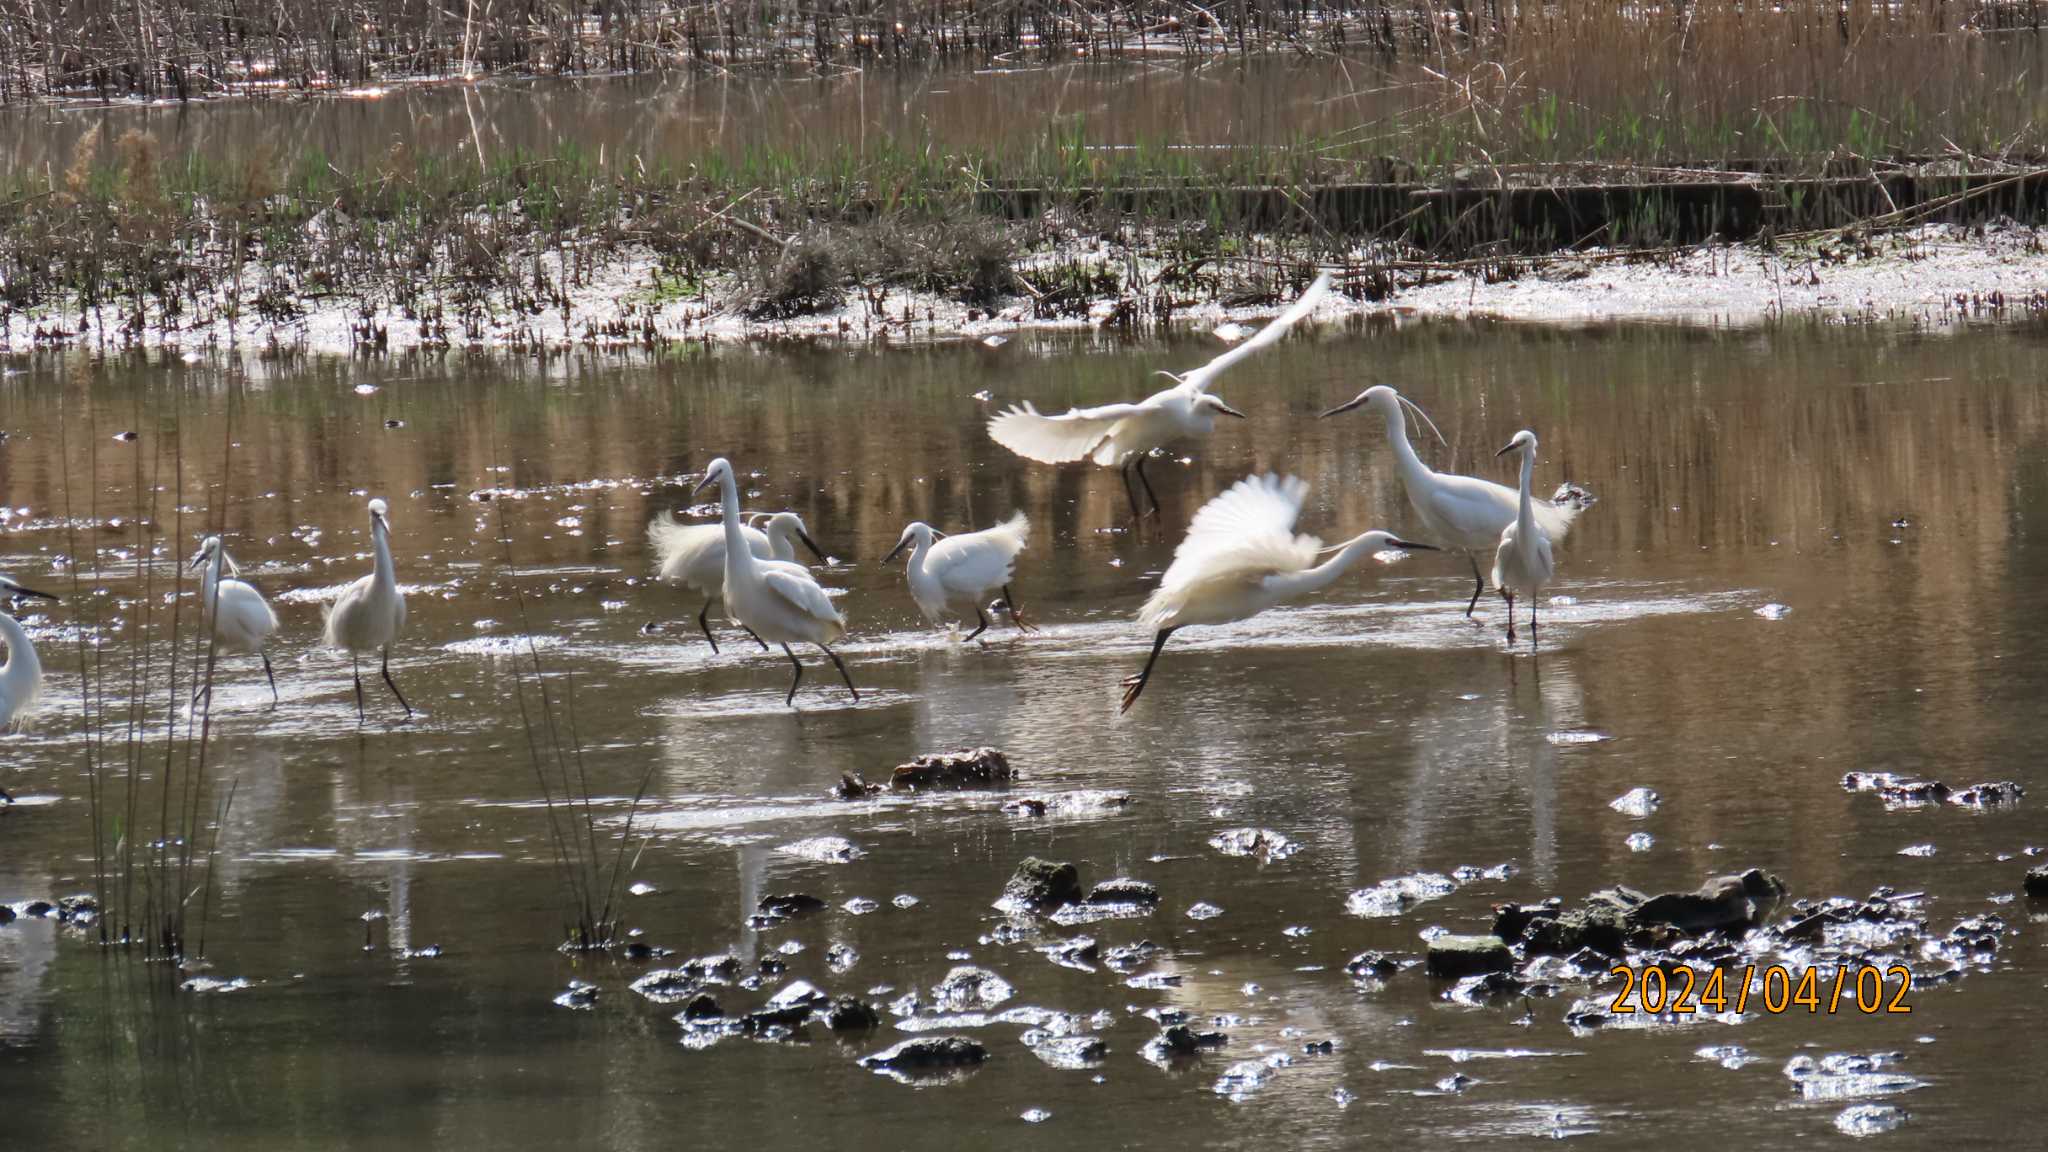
(1458, 513)
(242, 620)
(778, 601)
(968, 564)
(371, 612)
(1241, 557)
(1120, 435)
(21, 677)
(693, 555)
(1522, 563)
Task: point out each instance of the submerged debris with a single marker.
(1263, 843)
(1178, 1042)
(1637, 802)
(823, 849)
(1869, 1119)
(967, 988)
(969, 768)
(786, 906)
(1040, 884)
(927, 1057)
(1455, 956)
(1395, 896)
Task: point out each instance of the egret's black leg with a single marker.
(1130, 490)
(1510, 598)
(796, 679)
(393, 684)
(270, 676)
(704, 622)
(756, 636)
(355, 664)
(841, 665)
(1532, 621)
(1016, 613)
(1136, 684)
(1478, 584)
(981, 625)
(1147, 482)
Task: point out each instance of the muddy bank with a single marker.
(1932, 276)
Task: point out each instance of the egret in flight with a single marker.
(1241, 557)
(242, 621)
(693, 555)
(1459, 513)
(371, 612)
(21, 677)
(970, 565)
(778, 601)
(1522, 563)
(1120, 435)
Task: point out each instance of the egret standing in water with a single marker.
(371, 612)
(1241, 557)
(1120, 435)
(242, 620)
(693, 555)
(21, 677)
(1522, 563)
(1459, 513)
(970, 565)
(780, 602)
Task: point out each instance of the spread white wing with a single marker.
(1069, 436)
(1200, 379)
(1247, 532)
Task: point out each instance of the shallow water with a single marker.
(1813, 552)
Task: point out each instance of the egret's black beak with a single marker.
(812, 545)
(1412, 546)
(1226, 409)
(701, 485)
(1347, 406)
(1510, 448)
(26, 593)
(900, 546)
(196, 562)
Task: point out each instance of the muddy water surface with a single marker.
(1814, 552)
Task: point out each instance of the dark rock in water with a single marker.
(1042, 883)
(1319, 1047)
(968, 768)
(1123, 890)
(1722, 904)
(1181, 1040)
(928, 1054)
(579, 995)
(1988, 794)
(79, 907)
(1487, 987)
(667, 985)
(1454, 956)
(1080, 952)
(970, 989)
(850, 1015)
(852, 787)
(1125, 957)
(702, 1006)
(789, 905)
(1511, 921)
(2037, 882)
(1600, 925)
(798, 993)
(639, 950)
(1372, 966)
(38, 908)
(1026, 806)
(770, 967)
(1263, 843)
(767, 1020)
(6, 914)
(721, 969)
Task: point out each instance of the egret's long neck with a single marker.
(211, 580)
(21, 668)
(736, 551)
(1327, 573)
(380, 536)
(1410, 465)
(918, 551)
(1525, 518)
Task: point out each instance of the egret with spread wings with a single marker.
(1120, 435)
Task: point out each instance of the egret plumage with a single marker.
(1523, 563)
(1241, 557)
(1458, 513)
(779, 601)
(1121, 435)
(966, 565)
(370, 613)
(21, 676)
(242, 619)
(693, 555)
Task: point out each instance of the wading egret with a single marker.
(371, 612)
(1458, 513)
(778, 601)
(969, 565)
(1522, 563)
(1241, 557)
(21, 677)
(693, 555)
(242, 621)
(1120, 435)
